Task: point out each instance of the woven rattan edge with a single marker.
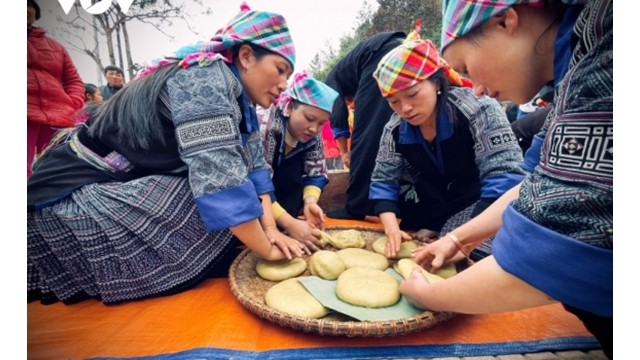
(323, 326)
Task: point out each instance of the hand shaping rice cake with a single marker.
(406, 247)
(405, 267)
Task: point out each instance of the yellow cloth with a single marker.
(311, 190)
(277, 210)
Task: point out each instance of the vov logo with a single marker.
(96, 8)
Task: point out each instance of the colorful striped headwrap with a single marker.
(310, 91)
(411, 63)
(265, 29)
(461, 16)
(261, 28)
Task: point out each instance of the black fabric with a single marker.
(601, 328)
(352, 77)
(529, 125)
(63, 173)
(287, 181)
(481, 206)
(382, 206)
(441, 195)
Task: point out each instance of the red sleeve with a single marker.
(71, 81)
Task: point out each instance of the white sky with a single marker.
(313, 25)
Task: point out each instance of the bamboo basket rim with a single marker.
(249, 288)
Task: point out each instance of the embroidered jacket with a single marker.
(558, 235)
(474, 155)
(205, 138)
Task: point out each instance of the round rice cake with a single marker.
(371, 288)
(353, 257)
(326, 264)
(291, 297)
(348, 239)
(405, 267)
(406, 247)
(281, 269)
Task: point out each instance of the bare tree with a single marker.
(110, 29)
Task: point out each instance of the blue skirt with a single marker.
(122, 241)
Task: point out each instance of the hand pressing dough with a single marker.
(367, 287)
(291, 297)
(325, 238)
(380, 246)
(281, 269)
(404, 267)
(363, 258)
(343, 239)
(326, 264)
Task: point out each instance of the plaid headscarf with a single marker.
(310, 91)
(265, 29)
(261, 28)
(411, 63)
(461, 16)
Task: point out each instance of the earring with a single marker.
(438, 92)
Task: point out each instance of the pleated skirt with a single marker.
(123, 241)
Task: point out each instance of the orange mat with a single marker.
(209, 316)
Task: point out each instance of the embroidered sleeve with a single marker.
(315, 168)
(206, 118)
(498, 155)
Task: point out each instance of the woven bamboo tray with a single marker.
(250, 289)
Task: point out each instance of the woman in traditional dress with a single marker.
(554, 231)
(445, 154)
(151, 194)
(291, 134)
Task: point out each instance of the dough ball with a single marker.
(281, 269)
(291, 297)
(326, 238)
(348, 239)
(326, 264)
(405, 266)
(367, 287)
(380, 245)
(353, 257)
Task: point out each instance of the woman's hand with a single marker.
(304, 233)
(394, 235)
(313, 213)
(433, 256)
(346, 158)
(285, 243)
(414, 288)
(394, 238)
